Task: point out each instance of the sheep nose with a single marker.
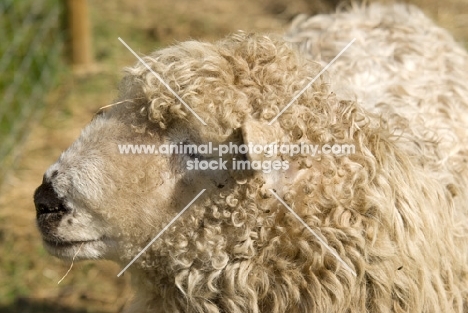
(47, 200)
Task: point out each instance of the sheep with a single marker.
(386, 225)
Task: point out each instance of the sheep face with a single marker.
(70, 188)
(93, 197)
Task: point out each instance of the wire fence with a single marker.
(31, 44)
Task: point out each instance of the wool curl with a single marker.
(395, 211)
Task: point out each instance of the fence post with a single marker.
(80, 33)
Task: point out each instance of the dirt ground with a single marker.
(29, 276)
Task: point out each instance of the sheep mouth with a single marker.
(67, 244)
(79, 249)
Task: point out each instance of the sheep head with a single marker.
(94, 195)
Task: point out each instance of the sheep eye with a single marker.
(190, 152)
(194, 156)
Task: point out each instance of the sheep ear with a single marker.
(260, 133)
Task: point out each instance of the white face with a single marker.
(94, 200)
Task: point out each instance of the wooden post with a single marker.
(80, 34)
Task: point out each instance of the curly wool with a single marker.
(395, 211)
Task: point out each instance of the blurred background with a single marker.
(60, 61)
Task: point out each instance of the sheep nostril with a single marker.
(45, 208)
(41, 208)
(47, 200)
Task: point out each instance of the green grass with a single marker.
(30, 56)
